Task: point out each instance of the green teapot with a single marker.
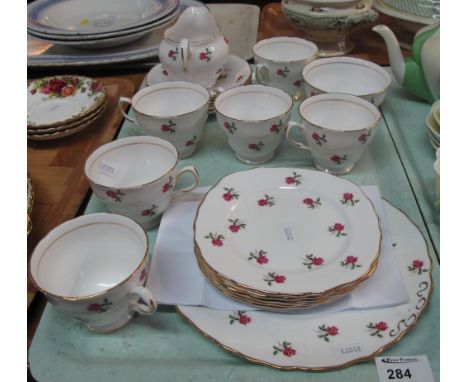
(420, 73)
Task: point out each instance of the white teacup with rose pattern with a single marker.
(337, 129)
(280, 61)
(136, 177)
(254, 118)
(94, 268)
(175, 111)
(347, 75)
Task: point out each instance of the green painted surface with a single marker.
(163, 347)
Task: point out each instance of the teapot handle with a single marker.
(184, 52)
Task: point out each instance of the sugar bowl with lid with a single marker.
(194, 49)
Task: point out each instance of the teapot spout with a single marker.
(397, 61)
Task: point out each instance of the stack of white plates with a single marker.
(433, 125)
(281, 238)
(63, 105)
(98, 24)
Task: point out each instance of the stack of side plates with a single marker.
(281, 238)
(98, 24)
(433, 125)
(63, 105)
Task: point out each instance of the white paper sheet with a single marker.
(175, 279)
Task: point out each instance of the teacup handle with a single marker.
(299, 145)
(148, 306)
(194, 172)
(122, 101)
(184, 52)
(262, 74)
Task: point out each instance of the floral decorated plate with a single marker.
(62, 99)
(288, 231)
(326, 341)
(86, 17)
(68, 130)
(236, 72)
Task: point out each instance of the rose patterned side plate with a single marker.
(288, 231)
(326, 341)
(58, 100)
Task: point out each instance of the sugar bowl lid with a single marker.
(194, 24)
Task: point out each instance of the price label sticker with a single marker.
(406, 369)
(108, 169)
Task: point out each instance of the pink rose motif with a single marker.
(351, 260)
(230, 194)
(262, 259)
(308, 201)
(236, 225)
(298, 83)
(273, 277)
(234, 228)
(262, 202)
(382, 326)
(33, 91)
(418, 264)
(337, 229)
(275, 129)
(45, 90)
(327, 331)
(217, 242)
(244, 319)
(172, 53)
(315, 136)
(284, 348)
(347, 196)
(294, 179)
(256, 146)
(203, 56)
(279, 279)
(164, 71)
(289, 352)
(111, 194)
(317, 261)
(282, 72)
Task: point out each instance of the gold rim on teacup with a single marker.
(347, 61)
(297, 40)
(114, 145)
(252, 89)
(184, 85)
(70, 222)
(343, 98)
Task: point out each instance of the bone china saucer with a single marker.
(287, 231)
(236, 72)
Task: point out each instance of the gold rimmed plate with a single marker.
(312, 342)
